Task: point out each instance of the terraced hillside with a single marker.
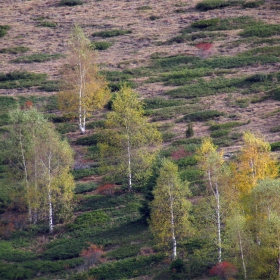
(216, 67)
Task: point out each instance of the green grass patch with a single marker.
(86, 172)
(203, 115)
(128, 268)
(111, 33)
(227, 125)
(252, 4)
(100, 46)
(125, 251)
(7, 103)
(207, 5)
(49, 24)
(64, 128)
(159, 102)
(85, 187)
(15, 50)
(3, 30)
(96, 124)
(40, 57)
(261, 30)
(204, 23)
(275, 146)
(220, 133)
(51, 85)
(88, 140)
(21, 79)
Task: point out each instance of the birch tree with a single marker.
(43, 162)
(130, 143)
(254, 163)
(212, 163)
(85, 90)
(170, 208)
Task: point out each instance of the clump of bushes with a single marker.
(3, 30)
(15, 50)
(205, 23)
(111, 33)
(261, 30)
(39, 57)
(100, 46)
(189, 131)
(220, 133)
(70, 2)
(252, 4)
(214, 4)
(203, 115)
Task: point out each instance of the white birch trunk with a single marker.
(50, 198)
(26, 177)
(129, 165)
(174, 243)
(242, 254)
(216, 193)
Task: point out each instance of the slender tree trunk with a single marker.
(242, 254)
(26, 177)
(218, 211)
(129, 165)
(174, 243)
(50, 197)
(215, 190)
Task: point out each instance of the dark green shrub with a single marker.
(89, 219)
(203, 115)
(177, 266)
(47, 24)
(88, 140)
(275, 146)
(64, 128)
(261, 77)
(3, 30)
(85, 187)
(96, 124)
(168, 136)
(40, 57)
(51, 85)
(189, 131)
(4, 119)
(213, 4)
(15, 50)
(81, 173)
(111, 33)
(187, 161)
(125, 251)
(261, 30)
(100, 46)
(64, 249)
(191, 174)
(206, 23)
(15, 272)
(252, 4)
(219, 133)
(225, 125)
(275, 93)
(70, 2)
(128, 268)
(159, 102)
(7, 103)
(154, 17)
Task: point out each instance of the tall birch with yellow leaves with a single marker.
(85, 90)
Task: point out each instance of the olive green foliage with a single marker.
(70, 2)
(189, 130)
(226, 125)
(100, 46)
(203, 115)
(159, 102)
(3, 30)
(85, 187)
(170, 209)
(261, 30)
(129, 143)
(111, 33)
(205, 23)
(47, 24)
(215, 4)
(40, 57)
(252, 4)
(15, 50)
(219, 133)
(85, 172)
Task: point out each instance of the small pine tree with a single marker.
(189, 131)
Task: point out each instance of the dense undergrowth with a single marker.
(105, 214)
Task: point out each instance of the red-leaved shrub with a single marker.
(225, 270)
(179, 153)
(204, 48)
(107, 189)
(92, 255)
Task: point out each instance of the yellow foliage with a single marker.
(254, 163)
